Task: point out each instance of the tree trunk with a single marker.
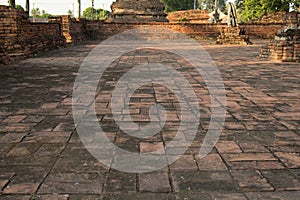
(28, 6)
(196, 4)
(79, 8)
(12, 3)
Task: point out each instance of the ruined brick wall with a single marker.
(283, 50)
(39, 37)
(191, 16)
(93, 29)
(10, 20)
(194, 30)
(278, 18)
(78, 30)
(255, 30)
(262, 30)
(20, 38)
(73, 29)
(286, 44)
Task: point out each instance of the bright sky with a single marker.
(61, 7)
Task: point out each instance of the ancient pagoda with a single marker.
(134, 11)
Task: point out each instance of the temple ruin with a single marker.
(137, 11)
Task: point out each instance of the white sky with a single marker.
(61, 7)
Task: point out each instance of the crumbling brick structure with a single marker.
(20, 38)
(285, 46)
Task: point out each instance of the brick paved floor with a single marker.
(257, 157)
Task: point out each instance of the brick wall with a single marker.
(77, 30)
(255, 30)
(20, 38)
(286, 44)
(262, 30)
(73, 29)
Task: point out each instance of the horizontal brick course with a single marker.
(19, 38)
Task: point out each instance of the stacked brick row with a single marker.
(286, 45)
(273, 18)
(10, 20)
(20, 38)
(77, 30)
(233, 36)
(39, 37)
(189, 16)
(282, 49)
(93, 29)
(293, 19)
(73, 29)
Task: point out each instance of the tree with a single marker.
(20, 7)
(45, 15)
(70, 12)
(92, 13)
(79, 8)
(210, 5)
(239, 4)
(35, 12)
(295, 4)
(252, 9)
(27, 5)
(12, 3)
(175, 5)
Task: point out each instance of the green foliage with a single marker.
(176, 5)
(46, 15)
(35, 12)
(252, 9)
(182, 19)
(295, 4)
(210, 5)
(239, 4)
(70, 12)
(20, 7)
(92, 13)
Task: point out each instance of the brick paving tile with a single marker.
(12, 119)
(282, 179)
(256, 165)
(85, 197)
(15, 197)
(211, 196)
(13, 137)
(185, 162)
(150, 147)
(203, 181)
(291, 160)
(4, 179)
(251, 180)
(249, 157)
(253, 147)
(155, 182)
(212, 162)
(273, 195)
(120, 182)
(257, 156)
(51, 197)
(24, 184)
(228, 147)
(72, 183)
(139, 196)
